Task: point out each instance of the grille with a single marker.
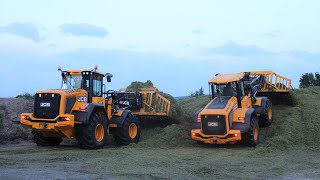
(47, 106)
(213, 124)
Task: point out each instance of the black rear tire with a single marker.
(92, 135)
(267, 117)
(40, 140)
(122, 134)
(251, 137)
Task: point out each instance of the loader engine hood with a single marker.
(51, 103)
(219, 103)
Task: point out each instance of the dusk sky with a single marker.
(178, 45)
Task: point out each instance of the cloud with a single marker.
(236, 58)
(187, 45)
(25, 30)
(272, 34)
(199, 31)
(233, 49)
(83, 29)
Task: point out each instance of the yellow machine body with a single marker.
(66, 112)
(226, 119)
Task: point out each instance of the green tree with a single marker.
(201, 91)
(307, 80)
(317, 79)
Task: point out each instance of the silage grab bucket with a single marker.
(154, 104)
(276, 87)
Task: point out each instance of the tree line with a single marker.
(197, 93)
(309, 79)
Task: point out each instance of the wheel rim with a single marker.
(99, 132)
(255, 133)
(270, 113)
(133, 130)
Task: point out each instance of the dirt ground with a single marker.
(27, 161)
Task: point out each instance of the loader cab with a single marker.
(232, 89)
(91, 81)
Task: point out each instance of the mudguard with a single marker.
(84, 117)
(260, 108)
(120, 119)
(195, 124)
(243, 127)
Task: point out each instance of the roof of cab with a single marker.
(226, 78)
(79, 72)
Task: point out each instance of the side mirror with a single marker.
(108, 78)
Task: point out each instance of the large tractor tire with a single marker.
(251, 137)
(92, 135)
(129, 132)
(40, 140)
(267, 117)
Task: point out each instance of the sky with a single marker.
(178, 45)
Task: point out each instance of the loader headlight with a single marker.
(196, 134)
(24, 117)
(198, 119)
(64, 119)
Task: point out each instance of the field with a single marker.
(289, 149)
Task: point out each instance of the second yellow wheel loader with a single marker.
(83, 110)
(236, 112)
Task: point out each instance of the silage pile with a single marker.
(297, 126)
(179, 122)
(10, 128)
(293, 126)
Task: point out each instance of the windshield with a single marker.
(72, 82)
(224, 89)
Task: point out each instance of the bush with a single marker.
(25, 95)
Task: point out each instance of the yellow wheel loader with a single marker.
(236, 112)
(82, 109)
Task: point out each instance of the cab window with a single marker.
(97, 86)
(225, 89)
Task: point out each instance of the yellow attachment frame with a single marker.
(273, 82)
(154, 104)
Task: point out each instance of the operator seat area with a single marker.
(228, 91)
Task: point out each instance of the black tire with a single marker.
(40, 140)
(251, 137)
(122, 134)
(266, 117)
(92, 135)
